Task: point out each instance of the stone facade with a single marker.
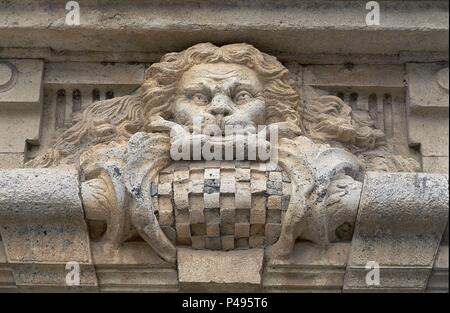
(354, 128)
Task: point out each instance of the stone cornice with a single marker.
(284, 28)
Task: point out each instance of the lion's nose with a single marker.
(221, 104)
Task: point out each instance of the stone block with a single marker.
(211, 186)
(438, 281)
(212, 215)
(11, 160)
(309, 268)
(198, 242)
(400, 222)
(242, 174)
(226, 269)
(227, 182)
(435, 164)
(227, 215)
(196, 213)
(165, 189)
(274, 188)
(272, 232)
(258, 185)
(257, 229)
(227, 229)
(242, 215)
(241, 230)
(211, 200)
(259, 202)
(213, 243)
(258, 210)
(42, 225)
(227, 242)
(275, 176)
(241, 243)
(212, 173)
(61, 74)
(196, 216)
(274, 203)
(257, 216)
(358, 75)
(21, 81)
(181, 175)
(166, 216)
(183, 230)
(21, 95)
(170, 233)
(273, 216)
(427, 85)
(181, 195)
(256, 241)
(165, 178)
(144, 271)
(243, 198)
(213, 230)
(430, 129)
(198, 229)
(196, 186)
(49, 201)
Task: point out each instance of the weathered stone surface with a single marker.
(25, 77)
(145, 271)
(11, 160)
(358, 75)
(375, 96)
(30, 199)
(401, 220)
(438, 281)
(310, 268)
(59, 75)
(42, 225)
(427, 85)
(207, 270)
(435, 164)
(429, 128)
(336, 27)
(7, 282)
(428, 115)
(20, 104)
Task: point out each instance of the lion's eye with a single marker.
(242, 96)
(200, 99)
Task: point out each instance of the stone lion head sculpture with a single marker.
(232, 85)
(235, 84)
(232, 73)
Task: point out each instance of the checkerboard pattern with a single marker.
(221, 205)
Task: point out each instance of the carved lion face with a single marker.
(230, 85)
(220, 94)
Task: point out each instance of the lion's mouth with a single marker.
(221, 125)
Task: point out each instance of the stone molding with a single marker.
(320, 27)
